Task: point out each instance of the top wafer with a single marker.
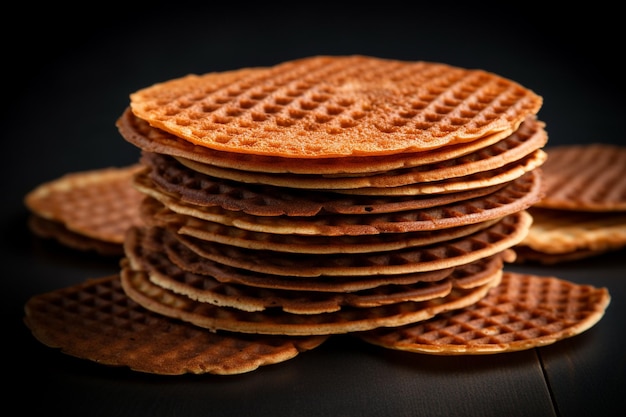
(336, 106)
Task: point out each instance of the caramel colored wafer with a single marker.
(572, 234)
(172, 178)
(137, 286)
(328, 106)
(502, 235)
(50, 229)
(156, 214)
(589, 177)
(523, 312)
(527, 139)
(139, 133)
(517, 196)
(100, 204)
(166, 274)
(95, 320)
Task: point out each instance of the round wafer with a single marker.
(327, 106)
(524, 311)
(95, 320)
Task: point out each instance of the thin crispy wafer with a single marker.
(527, 139)
(515, 197)
(525, 254)
(207, 289)
(502, 175)
(50, 229)
(566, 235)
(465, 276)
(137, 285)
(100, 204)
(193, 187)
(156, 214)
(502, 235)
(329, 106)
(139, 133)
(95, 320)
(588, 177)
(524, 311)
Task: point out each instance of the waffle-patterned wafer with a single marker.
(138, 286)
(188, 260)
(588, 177)
(502, 175)
(523, 312)
(95, 320)
(145, 137)
(203, 288)
(329, 106)
(527, 139)
(172, 178)
(583, 211)
(464, 276)
(50, 229)
(206, 289)
(100, 204)
(156, 214)
(494, 177)
(502, 235)
(517, 196)
(525, 254)
(561, 232)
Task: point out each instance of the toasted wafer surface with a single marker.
(326, 106)
(502, 235)
(95, 320)
(517, 196)
(101, 203)
(138, 286)
(524, 141)
(523, 312)
(139, 133)
(169, 176)
(562, 231)
(587, 177)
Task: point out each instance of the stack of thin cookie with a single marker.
(583, 211)
(326, 195)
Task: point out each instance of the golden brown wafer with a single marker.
(172, 178)
(517, 196)
(527, 139)
(137, 286)
(525, 254)
(162, 272)
(139, 133)
(588, 177)
(50, 229)
(502, 235)
(564, 235)
(523, 312)
(156, 214)
(329, 106)
(95, 320)
(100, 204)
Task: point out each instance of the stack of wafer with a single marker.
(583, 211)
(325, 195)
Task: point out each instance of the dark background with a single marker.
(68, 73)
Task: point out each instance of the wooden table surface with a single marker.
(61, 107)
